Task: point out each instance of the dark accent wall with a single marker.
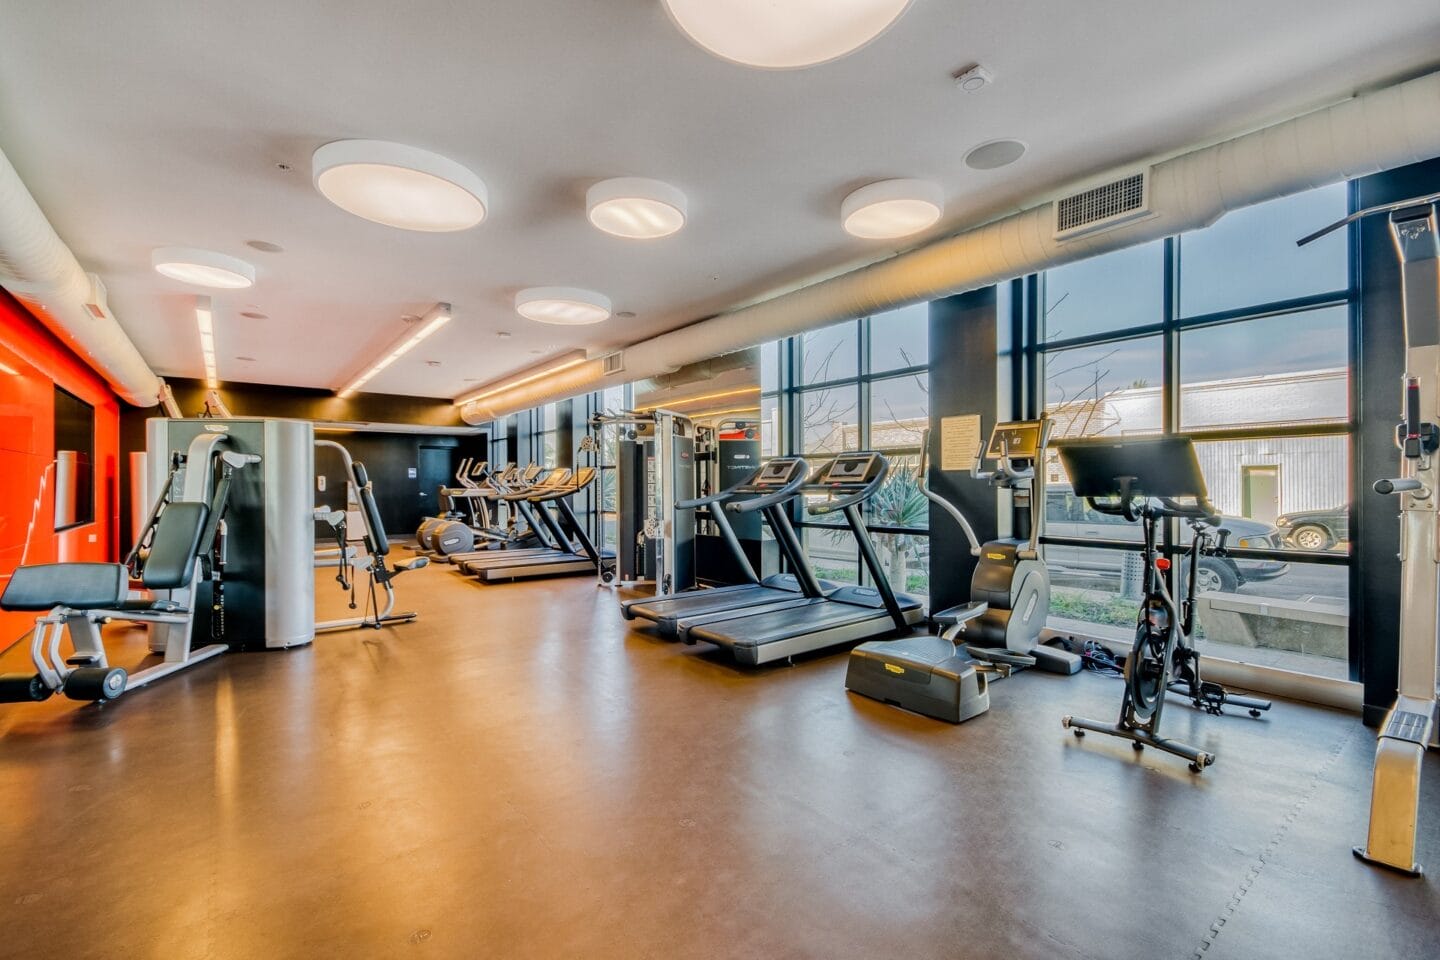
(962, 381)
(388, 457)
(1380, 361)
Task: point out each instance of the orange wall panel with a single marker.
(32, 364)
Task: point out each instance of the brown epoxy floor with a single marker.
(518, 775)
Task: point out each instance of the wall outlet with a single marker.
(320, 483)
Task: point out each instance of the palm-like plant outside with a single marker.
(898, 503)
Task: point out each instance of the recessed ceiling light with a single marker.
(265, 246)
(563, 305)
(783, 35)
(254, 315)
(636, 208)
(891, 209)
(995, 153)
(625, 315)
(399, 186)
(202, 268)
(246, 359)
(205, 321)
(503, 335)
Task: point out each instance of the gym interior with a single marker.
(718, 479)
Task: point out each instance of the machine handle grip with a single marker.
(1400, 485)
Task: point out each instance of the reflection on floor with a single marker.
(517, 776)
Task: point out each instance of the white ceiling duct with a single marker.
(42, 273)
(1369, 133)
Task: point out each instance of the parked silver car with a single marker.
(1069, 516)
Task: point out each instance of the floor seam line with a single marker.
(1252, 871)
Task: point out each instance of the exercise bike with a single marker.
(1146, 481)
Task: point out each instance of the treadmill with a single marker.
(768, 490)
(844, 615)
(567, 557)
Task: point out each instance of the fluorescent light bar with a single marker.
(434, 319)
(6, 368)
(521, 381)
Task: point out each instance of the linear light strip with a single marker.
(520, 382)
(205, 320)
(707, 396)
(438, 316)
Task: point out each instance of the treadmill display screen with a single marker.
(852, 469)
(1020, 441)
(776, 473)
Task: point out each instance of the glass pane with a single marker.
(906, 561)
(900, 338)
(1249, 256)
(1280, 493)
(1294, 619)
(830, 354)
(1093, 592)
(1110, 292)
(549, 416)
(1291, 368)
(1110, 389)
(899, 502)
(770, 427)
(833, 554)
(899, 412)
(770, 366)
(548, 450)
(829, 418)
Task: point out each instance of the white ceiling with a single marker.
(152, 122)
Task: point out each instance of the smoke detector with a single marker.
(973, 79)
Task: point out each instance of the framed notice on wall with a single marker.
(959, 441)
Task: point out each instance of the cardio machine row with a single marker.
(540, 537)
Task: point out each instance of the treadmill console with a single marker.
(1019, 440)
(777, 472)
(849, 468)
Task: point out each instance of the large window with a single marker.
(1242, 340)
(861, 384)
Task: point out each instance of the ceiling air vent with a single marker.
(1104, 207)
(615, 363)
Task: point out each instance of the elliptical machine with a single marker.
(1146, 480)
(998, 631)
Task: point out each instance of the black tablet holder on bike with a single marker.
(1149, 480)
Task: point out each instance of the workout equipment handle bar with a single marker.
(1368, 212)
(1402, 485)
(940, 501)
(771, 499)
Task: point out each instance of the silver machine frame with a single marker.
(1411, 727)
(666, 426)
(378, 612)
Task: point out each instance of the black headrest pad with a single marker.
(82, 586)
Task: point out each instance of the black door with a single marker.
(435, 470)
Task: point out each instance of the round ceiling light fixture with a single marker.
(994, 154)
(890, 209)
(399, 186)
(202, 268)
(636, 208)
(783, 35)
(567, 306)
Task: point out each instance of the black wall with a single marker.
(1380, 361)
(962, 381)
(387, 456)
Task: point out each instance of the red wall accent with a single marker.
(32, 363)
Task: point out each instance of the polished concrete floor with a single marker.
(517, 775)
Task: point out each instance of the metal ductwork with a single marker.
(42, 273)
(1372, 132)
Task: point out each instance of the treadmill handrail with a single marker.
(787, 492)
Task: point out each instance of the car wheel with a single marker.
(1214, 576)
(1310, 537)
